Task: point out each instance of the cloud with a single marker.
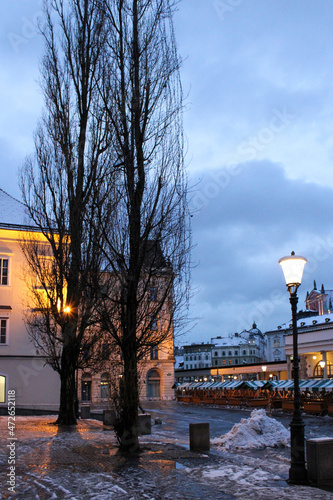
(240, 233)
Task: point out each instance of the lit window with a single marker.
(3, 331)
(105, 386)
(230, 362)
(4, 271)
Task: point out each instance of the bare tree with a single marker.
(146, 230)
(62, 184)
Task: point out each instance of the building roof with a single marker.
(13, 213)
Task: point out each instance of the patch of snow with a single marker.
(257, 432)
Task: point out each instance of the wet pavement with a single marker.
(83, 461)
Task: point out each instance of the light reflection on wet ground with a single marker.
(84, 462)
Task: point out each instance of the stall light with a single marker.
(322, 364)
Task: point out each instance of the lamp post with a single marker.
(293, 267)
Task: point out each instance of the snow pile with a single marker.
(258, 431)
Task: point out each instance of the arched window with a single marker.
(319, 371)
(105, 386)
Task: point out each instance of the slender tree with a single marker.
(62, 184)
(146, 228)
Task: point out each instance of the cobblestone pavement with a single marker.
(83, 462)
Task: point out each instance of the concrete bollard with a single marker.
(319, 457)
(199, 437)
(85, 412)
(144, 424)
(109, 417)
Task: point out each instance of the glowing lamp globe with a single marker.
(293, 267)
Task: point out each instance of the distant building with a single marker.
(246, 347)
(320, 302)
(197, 356)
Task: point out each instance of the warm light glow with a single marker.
(264, 368)
(293, 267)
(270, 375)
(67, 309)
(314, 357)
(235, 377)
(322, 363)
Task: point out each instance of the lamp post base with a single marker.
(297, 472)
(298, 475)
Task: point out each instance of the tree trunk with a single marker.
(67, 413)
(129, 440)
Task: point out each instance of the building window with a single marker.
(276, 342)
(153, 293)
(2, 389)
(215, 362)
(244, 352)
(3, 331)
(105, 352)
(236, 361)
(229, 353)
(236, 353)
(4, 271)
(105, 386)
(230, 362)
(154, 353)
(215, 353)
(153, 323)
(223, 362)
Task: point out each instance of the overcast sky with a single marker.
(257, 76)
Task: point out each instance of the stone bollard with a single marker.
(85, 412)
(319, 457)
(109, 417)
(199, 437)
(144, 424)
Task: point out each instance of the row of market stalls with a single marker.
(316, 394)
(309, 384)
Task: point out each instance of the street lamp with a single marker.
(293, 267)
